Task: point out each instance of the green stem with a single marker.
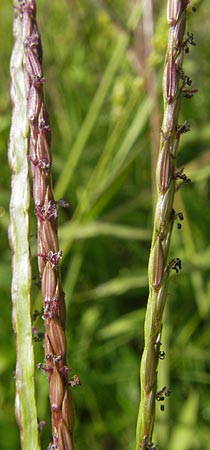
(174, 82)
(25, 405)
(96, 104)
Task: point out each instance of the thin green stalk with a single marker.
(91, 202)
(96, 104)
(168, 180)
(25, 405)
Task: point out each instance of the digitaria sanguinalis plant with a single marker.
(176, 84)
(28, 51)
(169, 179)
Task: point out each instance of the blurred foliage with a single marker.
(101, 145)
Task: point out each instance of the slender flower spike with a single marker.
(174, 83)
(25, 404)
(49, 254)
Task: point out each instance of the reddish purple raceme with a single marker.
(49, 254)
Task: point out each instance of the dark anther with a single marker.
(41, 366)
(37, 337)
(64, 372)
(57, 358)
(190, 39)
(175, 216)
(180, 217)
(188, 81)
(194, 9)
(188, 93)
(54, 358)
(162, 355)
(162, 407)
(151, 446)
(168, 392)
(182, 177)
(40, 335)
(160, 394)
(183, 128)
(35, 315)
(160, 398)
(54, 258)
(175, 264)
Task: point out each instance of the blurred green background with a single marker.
(103, 70)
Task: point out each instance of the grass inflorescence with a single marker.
(49, 254)
(168, 180)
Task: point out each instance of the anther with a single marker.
(151, 446)
(183, 128)
(35, 315)
(177, 265)
(174, 264)
(162, 355)
(75, 381)
(41, 366)
(168, 392)
(182, 177)
(54, 258)
(188, 93)
(179, 216)
(190, 39)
